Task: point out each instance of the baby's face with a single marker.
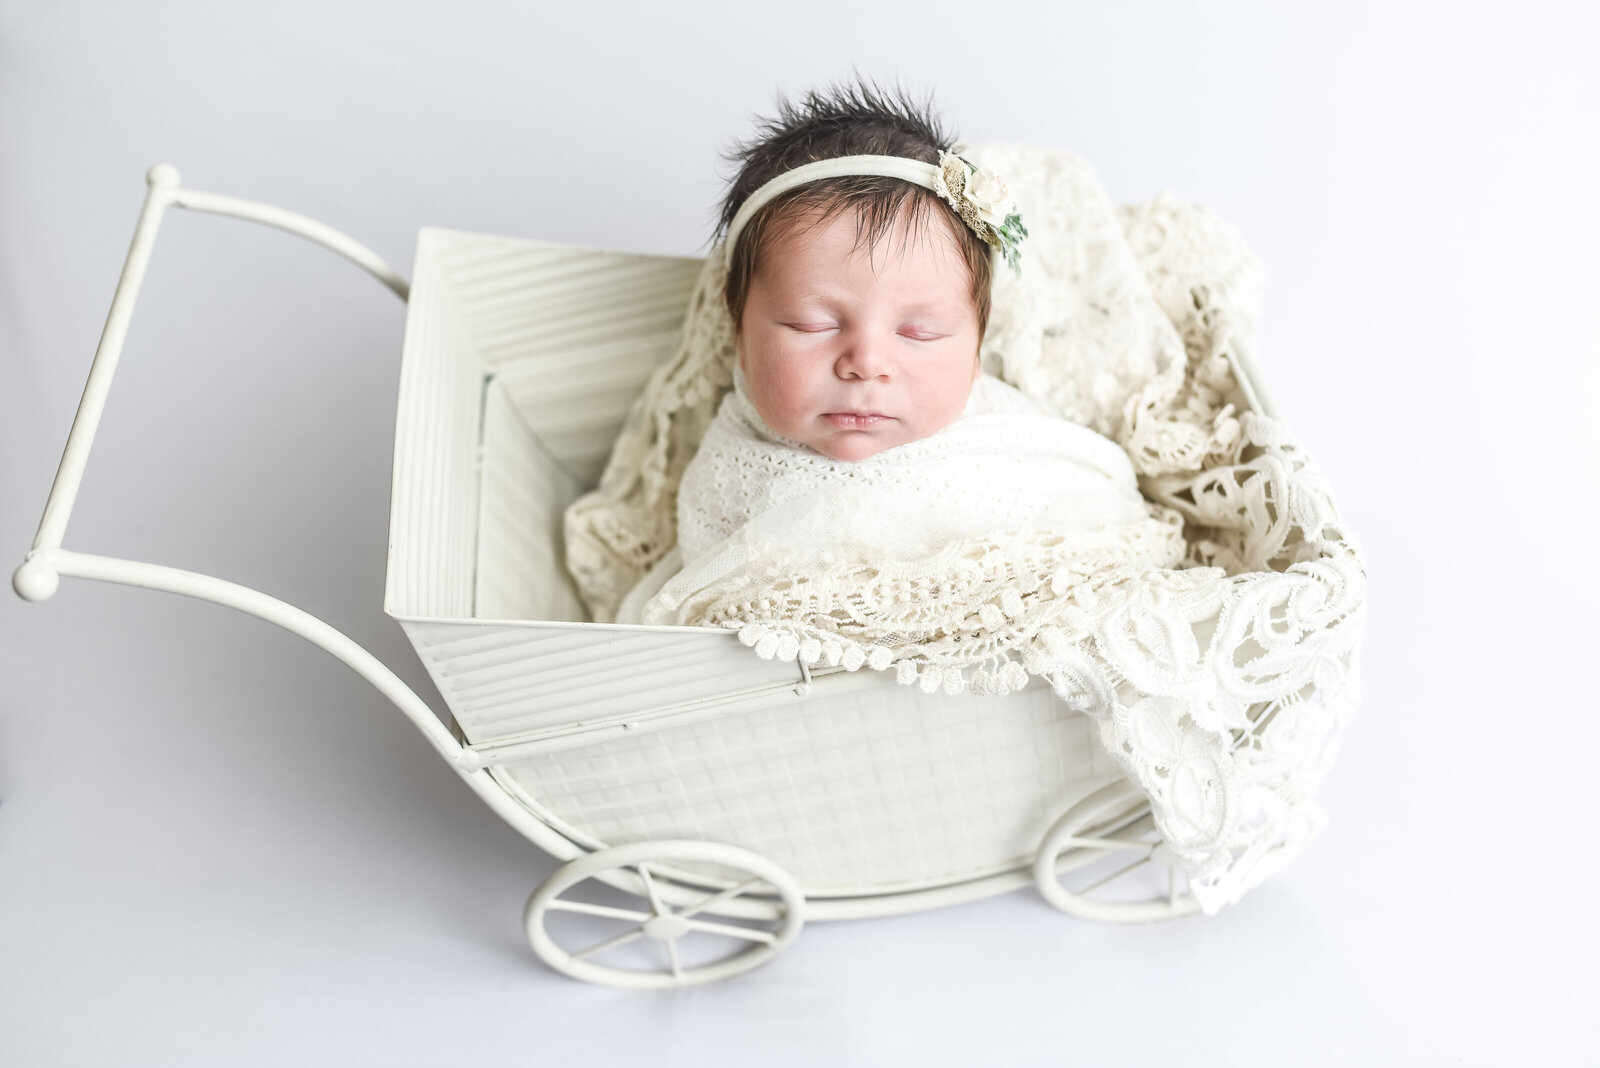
(851, 351)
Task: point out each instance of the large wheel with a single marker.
(659, 921)
(1103, 860)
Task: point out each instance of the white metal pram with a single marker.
(736, 797)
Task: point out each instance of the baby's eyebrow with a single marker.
(926, 309)
(820, 294)
(930, 310)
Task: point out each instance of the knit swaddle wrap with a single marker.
(955, 558)
(1220, 685)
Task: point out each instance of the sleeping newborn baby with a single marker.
(866, 492)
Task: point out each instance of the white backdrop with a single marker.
(218, 846)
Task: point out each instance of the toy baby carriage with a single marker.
(719, 799)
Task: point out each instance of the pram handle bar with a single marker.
(310, 229)
(39, 576)
(34, 583)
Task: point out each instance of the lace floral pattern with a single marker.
(1221, 685)
(966, 551)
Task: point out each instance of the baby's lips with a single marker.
(856, 420)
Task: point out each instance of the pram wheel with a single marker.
(745, 885)
(1103, 860)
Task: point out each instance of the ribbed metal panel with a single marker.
(864, 791)
(521, 574)
(525, 299)
(572, 333)
(578, 399)
(434, 505)
(503, 679)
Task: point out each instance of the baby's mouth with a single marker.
(856, 420)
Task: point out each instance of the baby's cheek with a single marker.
(775, 403)
(946, 406)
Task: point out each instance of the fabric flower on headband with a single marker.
(983, 200)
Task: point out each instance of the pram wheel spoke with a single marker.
(1104, 879)
(656, 908)
(589, 909)
(710, 903)
(610, 943)
(1080, 842)
(748, 934)
(673, 877)
(1079, 870)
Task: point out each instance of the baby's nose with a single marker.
(866, 357)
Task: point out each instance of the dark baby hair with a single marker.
(850, 119)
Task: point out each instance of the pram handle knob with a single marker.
(36, 579)
(163, 174)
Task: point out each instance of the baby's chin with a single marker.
(854, 447)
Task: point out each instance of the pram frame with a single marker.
(1078, 837)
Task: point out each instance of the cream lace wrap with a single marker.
(951, 555)
(1220, 680)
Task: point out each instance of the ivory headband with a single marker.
(980, 198)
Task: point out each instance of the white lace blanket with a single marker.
(1221, 685)
(952, 558)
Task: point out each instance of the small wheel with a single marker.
(1112, 850)
(659, 921)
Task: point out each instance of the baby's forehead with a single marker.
(839, 242)
(911, 227)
